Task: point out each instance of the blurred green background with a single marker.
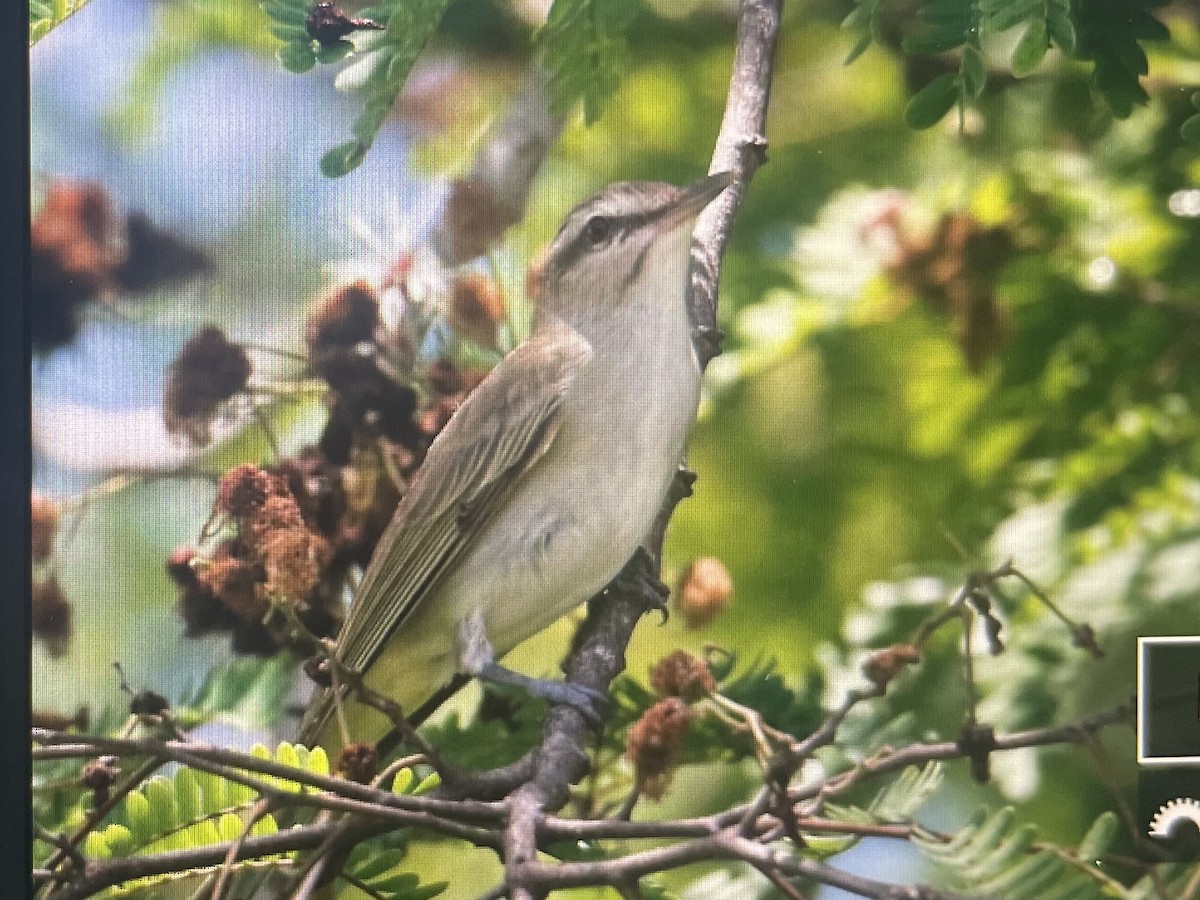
(984, 335)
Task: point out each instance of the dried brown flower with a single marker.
(653, 744)
(244, 489)
(293, 559)
(476, 308)
(209, 371)
(99, 775)
(704, 591)
(475, 218)
(279, 513)
(43, 526)
(51, 616)
(155, 256)
(74, 243)
(327, 24)
(346, 317)
(359, 763)
(955, 270)
(234, 581)
(682, 675)
(882, 666)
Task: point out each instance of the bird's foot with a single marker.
(589, 703)
(638, 577)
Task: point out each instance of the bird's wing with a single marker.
(505, 425)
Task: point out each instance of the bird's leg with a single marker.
(477, 656)
(638, 577)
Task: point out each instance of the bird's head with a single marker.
(627, 232)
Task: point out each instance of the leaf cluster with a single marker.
(1107, 34)
(995, 855)
(583, 46)
(383, 60)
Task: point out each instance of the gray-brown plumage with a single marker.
(549, 475)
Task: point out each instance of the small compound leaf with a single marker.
(930, 104)
(296, 57)
(334, 52)
(343, 158)
(1031, 49)
(1190, 129)
(1099, 837)
(973, 70)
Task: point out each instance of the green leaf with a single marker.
(95, 847)
(138, 816)
(932, 102)
(287, 13)
(296, 57)
(1031, 49)
(1010, 14)
(858, 49)
(974, 72)
(187, 794)
(933, 40)
(1099, 837)
(1190, 129)
(343, 158)
(583, 46)
(334, 52)
(161, 799)
(1061, 30)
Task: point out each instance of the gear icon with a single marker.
(1171, 813)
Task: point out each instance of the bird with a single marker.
(548, 477)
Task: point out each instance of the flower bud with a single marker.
(704, 591)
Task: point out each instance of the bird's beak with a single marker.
(691, 202)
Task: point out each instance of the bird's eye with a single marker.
(597, 231)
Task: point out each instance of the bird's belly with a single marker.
(574, 523)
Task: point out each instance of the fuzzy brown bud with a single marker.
(244, 489)
(43, 526)
(704, 591)
(882, 666)
(208, 371)
(344, 318)
(682, 675)
(51, 615)
(359, 763)
(293, 559)
(653, 744)
(99, 775)
(476, 308)
(475, 218)
(234, 581)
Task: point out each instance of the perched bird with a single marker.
(548, 477)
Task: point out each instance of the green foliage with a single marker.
(898, 801)
(1107, 33)
(997, 856)
(45, 15)
(583, 46)
(1190, 129)
(249, 692)
(376, 74)
(187, 809)
(508, 723)
(1111, 34)
(381, 869)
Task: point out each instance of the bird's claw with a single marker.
(638, 578)
(588, 702)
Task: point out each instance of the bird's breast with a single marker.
(581, 511)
